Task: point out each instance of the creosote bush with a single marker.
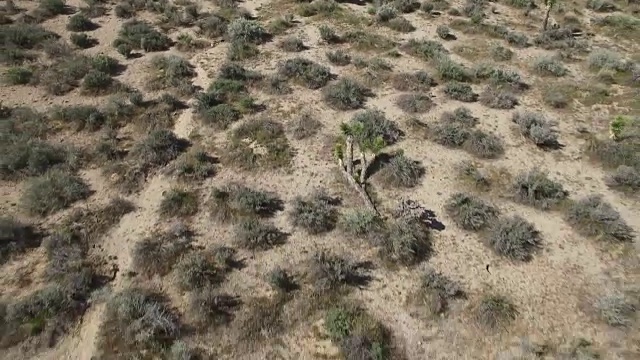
(235, 202)
(253, 234)
(52, 192)
(484, 145)
(292, 44)
(536, 127)
(194, 165)
(247, 31)
(536, 189)
(315, 213)
(171, 71)
(346, 94)
(281, 281)
(594, 217)
(82, 40)
(514, 238)
(470, 212)
(179, 203)
(401, 172)
(461, 116)
(495, 312)
(258, 144)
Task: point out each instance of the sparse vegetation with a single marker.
(356, 333)
(625, 178)
(141, 35)
(179, 203)
(305, 126)
(158, 253)
(52, 192)
(235, 202)
(548, 66)
(79, 22)
(259, 144)
(419, 81)
(414, 103)
(435, 292)
(616, 309)
(339, 57)
(306, 72)
(537, 128)
(15, 238)
(498, 99)
(171, 71)
(460, 91)
(254, 234)
(330, 272)
(197, 271)
(82, 40)
(595, 218)
(346, 94)
(408, 242)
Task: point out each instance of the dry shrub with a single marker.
(179, 203)
(514, 238)
(315, 213)
(52, 192)
(495, 312)
(234, 202)
(536, 189)
(159, 252)
(593, 217)
(470, 212)
(402, 172)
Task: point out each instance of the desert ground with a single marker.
(296, 179)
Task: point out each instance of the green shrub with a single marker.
(158, 253)
(96, 82)
(171, 71)
(79, 22)
(363, 224)
(247, 31)
(357, 334)
(15, 238)
(460, 91)
(426, 49)
(373, 124)
(196, 270)
(402, 172)
(517, 39)
(498, 99)
(33, 158)
(312, 75)
(82, 117)
(550, 66)
(338, 57)
(624, 178)
(495, 311)
(616, 309)
(514, 238)
(253, 234)
(41, 309)
(385, 13)
(536, 189)
(241, 50)
(346, 94)
(213, 26)
(414, 103)
(593, 217)
(419, 81)
(141, 35)
(537, 128)
(52, 192)
(470, 212)
(83, 41)
(18, 76)
(315, 213)
(235, 202)
(179, 203)
(259, 144)
(449, 70)
(452, 135)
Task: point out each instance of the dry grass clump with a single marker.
(96, 222)
(357, 334)
(15, 238)
(259, 144)
(484, 145)
(332, 273)
(534, 188)
(292, 44)
(460, 91)
(401, 172)
(461, 116)
(159, 252)
(137, 321)
(338, 57)
(178, 203)
(625, 178)
(470, 212)
(415, 103)
(198, 270)
(346, 94)
(193, 165)
(306, 72)
(536, 127)
(514, 238)
(52, 192)
(595, 218)
(254, 234)
(435, 292)
(474, 174)
(617, 309)
(235, 202)
(209, 308)
(498, 98)
(419, 81)
(304, 126)
(407, 242)
(315, 213)
(495, 312)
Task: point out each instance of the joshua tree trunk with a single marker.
(546, 16)
(363, 167)
(349, 155)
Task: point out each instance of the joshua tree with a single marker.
(616, 126)
(549, 4)
(354, 133)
